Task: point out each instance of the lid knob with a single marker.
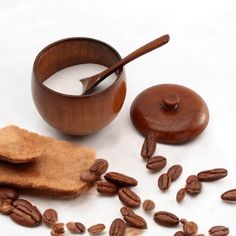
(171, 102)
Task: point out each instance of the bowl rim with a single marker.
(76, 39)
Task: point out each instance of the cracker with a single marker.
(17, 145)
(55, 174)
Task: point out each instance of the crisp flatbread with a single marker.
(17, 145)
(55, 174)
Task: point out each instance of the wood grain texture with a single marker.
(92, 81)
(70, 114)
(174, 113)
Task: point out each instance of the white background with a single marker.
(200, 55)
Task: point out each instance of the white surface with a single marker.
(200, 55)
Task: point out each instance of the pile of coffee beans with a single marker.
(24, 213)
(94, 173)
(166, 179)
(193, 184)
(157, 163)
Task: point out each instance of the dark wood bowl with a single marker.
(77, 114)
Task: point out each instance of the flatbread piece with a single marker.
(55, 174)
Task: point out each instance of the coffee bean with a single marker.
(212, 175)
(191, 178)
(180, 195)
(189, 228)
(136, 221)
(58, 229)
(193, 185)
(219, 231)
(50, 217)
(117, 228)
(174, 172)
(164, 182)
(96, 229)
(229, 195)
(149, 146)
(24, 213)
(8, 193)
(129, 198)
(89, 177)
(99, 167)
(105, 187)
(165, 218)
(120, 179)
(179, 233)
(126, 211)
(156, 163)
(75, 227)
(133, 219)
(6, 206)
(148, 205)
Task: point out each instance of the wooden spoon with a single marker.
(90, 82)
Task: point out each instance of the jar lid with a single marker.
(173, 113)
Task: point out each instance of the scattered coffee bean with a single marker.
(133, 219)
(126, 211)
(58, 229)
(191, 178)
(179, 233)
(99, 167)
(189, 228)
(180, 195)
(156, 163)
(193, 185)
(129, 198)
(212, 175)
(229, 195)
(24, 213)
(96, 229)
(117, 228)
(136, 221)
(165, 218)
(120, 179)
(89, 177)
(6, 206)
(219, 231)
(164, 182)
(174, 172)
(149, 146)
(148, 205)
(8, 193)
(50, 217)
(105, 187)
(75, 227)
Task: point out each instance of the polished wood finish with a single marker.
(90, 82)
(173, 113)
(70, 114)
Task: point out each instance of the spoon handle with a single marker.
(137, 53)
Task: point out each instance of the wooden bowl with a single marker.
(77, 114)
